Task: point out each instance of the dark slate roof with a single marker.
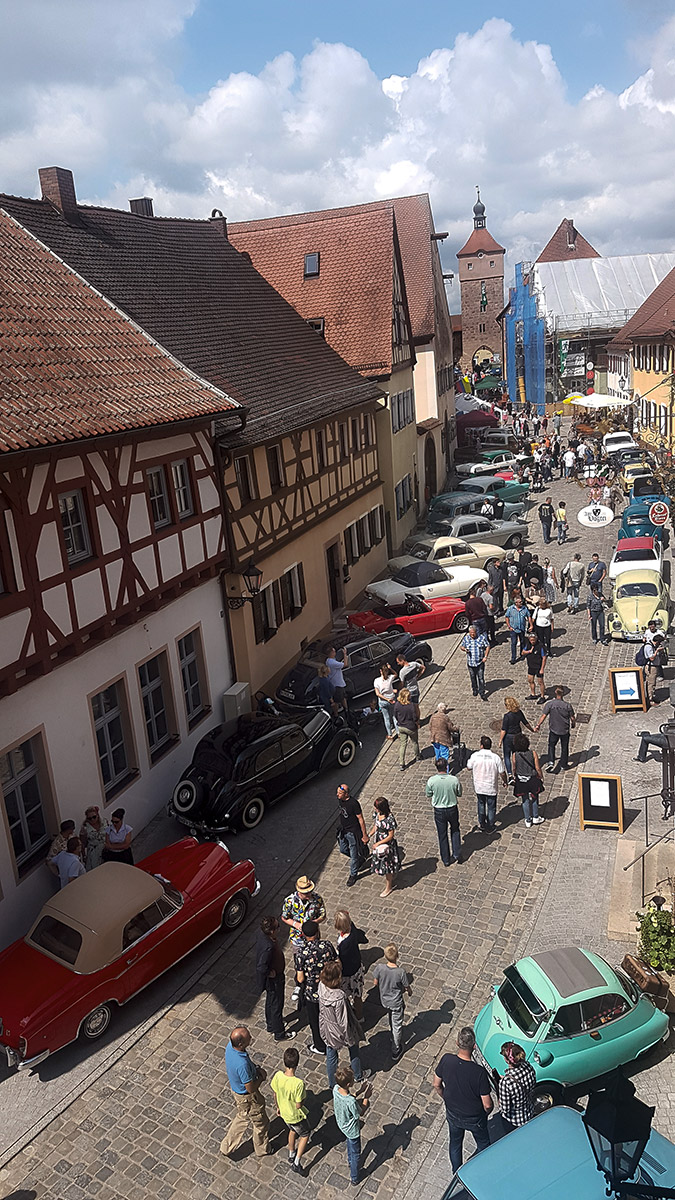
(72, 366)
(185, 284)
(567, 243)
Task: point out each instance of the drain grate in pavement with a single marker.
(582, 718)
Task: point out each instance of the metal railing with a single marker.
(667, 797)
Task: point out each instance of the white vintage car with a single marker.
(426, 579)
(636, 554)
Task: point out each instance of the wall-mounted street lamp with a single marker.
(252, 577)
(618, 1127)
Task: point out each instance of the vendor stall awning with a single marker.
(490, 381)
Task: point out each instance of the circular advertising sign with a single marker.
(658, 512)
(595, 515)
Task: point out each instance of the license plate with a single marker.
(286, 692)
(634, 637)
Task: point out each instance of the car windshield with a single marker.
(634, 555)
(634, 590)
(170, 891)
(419, 550)
(520, 1003)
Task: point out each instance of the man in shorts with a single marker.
(291, 1095)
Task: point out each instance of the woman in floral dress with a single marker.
(387, 854)
(92, 836)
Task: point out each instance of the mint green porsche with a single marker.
(575, 1017)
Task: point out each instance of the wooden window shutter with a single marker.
(372, 525)
(258, 607)
(276, 592)
(301, 585)
(286, 596)
(349, 553)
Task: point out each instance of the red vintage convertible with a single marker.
(107, 935)
(418, 617)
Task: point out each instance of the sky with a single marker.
(556, 110)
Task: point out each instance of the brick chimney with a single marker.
(219, 221)
(142, 207)
(58, 186)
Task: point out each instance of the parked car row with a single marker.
(640, 594)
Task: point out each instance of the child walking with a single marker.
(392, 981)
(348, 1112)
(290, 1093)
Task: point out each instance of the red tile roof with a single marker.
(567, 243)
(480, 239)
(187, 285)
(654, 318)
(354, 289)
(71, 365)
(414, 226)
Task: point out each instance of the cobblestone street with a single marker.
(150, 1124)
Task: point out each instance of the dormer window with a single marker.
(318, 325)
(312, 265)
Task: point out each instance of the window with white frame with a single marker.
(111, 721)
(293, 595)
(182, 489)
(191, 658)
(153, 677)
(403, 496)
(376, 522)
(352, 553)
(22, 794)
(159, 499)
(74, 526)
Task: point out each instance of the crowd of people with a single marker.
(71, 855)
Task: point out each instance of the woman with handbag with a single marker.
(387, 854)
(528, 779)
(338, 1025)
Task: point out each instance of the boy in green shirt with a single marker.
(290, 1093)
(348, 1112)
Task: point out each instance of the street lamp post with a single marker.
(252, 576)
(618, 1126)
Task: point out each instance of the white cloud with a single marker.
(325, 130)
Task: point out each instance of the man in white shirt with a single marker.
(68, 862)
(569, 459)
(487, 769)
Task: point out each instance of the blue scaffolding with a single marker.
(525, 339)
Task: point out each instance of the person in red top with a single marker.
(477, 612)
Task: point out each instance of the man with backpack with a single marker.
(572, 574)
(648, 658)
(546, 515)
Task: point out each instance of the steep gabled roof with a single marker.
(354, 289)
(655, 318)
(567, 243)
(72, 366)
(414, 226)
(480, 239)
(185, 284)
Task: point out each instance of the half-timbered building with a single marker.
(302, 476)
(114, 651)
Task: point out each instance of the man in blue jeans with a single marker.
(443, 789)
(517, 621)
(465, 1088)
(352, 833)
(477, 649)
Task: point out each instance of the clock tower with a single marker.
(481, 282)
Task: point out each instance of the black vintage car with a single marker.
(239, 768)
(365, 655)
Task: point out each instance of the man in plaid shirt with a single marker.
(515, 1087)
(477, 649)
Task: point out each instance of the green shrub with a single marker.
(656, 944)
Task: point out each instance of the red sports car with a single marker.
(107, 935)
(418, 617)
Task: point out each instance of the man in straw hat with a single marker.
(304, 904)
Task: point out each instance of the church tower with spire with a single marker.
(481, 283)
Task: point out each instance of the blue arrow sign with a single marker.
(627, 692)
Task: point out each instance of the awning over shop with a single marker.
(474, 420)
(489, 383)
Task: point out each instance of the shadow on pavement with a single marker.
(393, 1138)
(414, 870)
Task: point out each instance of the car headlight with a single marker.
(658, 621)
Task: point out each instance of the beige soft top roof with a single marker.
(99, 905)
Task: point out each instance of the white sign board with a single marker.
(594, 516)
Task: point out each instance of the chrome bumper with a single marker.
(256, 889)
(14, 1059)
